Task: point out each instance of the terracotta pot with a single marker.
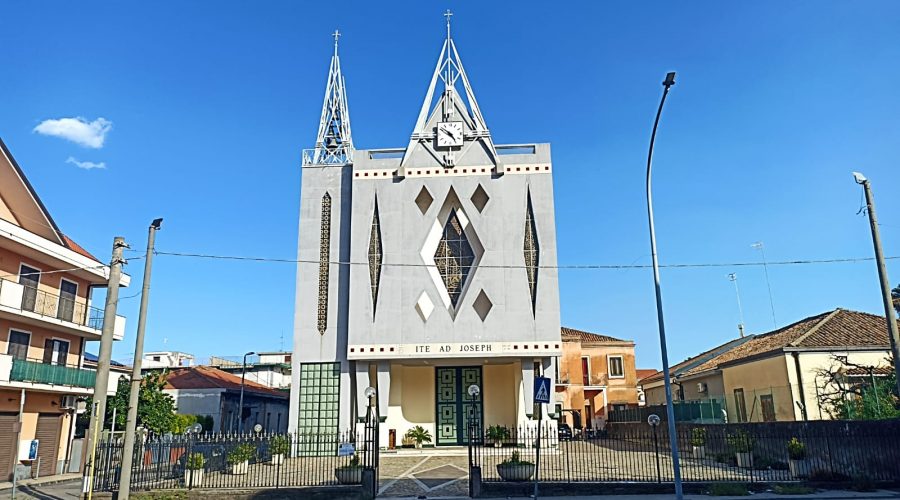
(515, 472)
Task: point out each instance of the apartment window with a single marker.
(18, 344)
(768, 407)
(616, 367)
(29, 278)
(585, 370)
(68, 290)
(56, 351)
(740, 406)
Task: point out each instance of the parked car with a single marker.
(564, 432)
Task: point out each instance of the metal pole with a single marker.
(670, 412)
(101, 383)
(133, 397)
(883, 277)
(241, 402)
(537, 454)
(733, 278)
(759, 246)
(18, 438)
(656, 448)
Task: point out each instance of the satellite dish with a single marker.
(257, 428)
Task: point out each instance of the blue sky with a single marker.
(210, 104)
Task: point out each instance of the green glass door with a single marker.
(455, 408)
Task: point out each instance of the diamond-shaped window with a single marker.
(480, 198)
(454, 257)
(423, 200)
(482, 305)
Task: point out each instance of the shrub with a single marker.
(241, 453)
(279, 445)
(195, 461)
(741, 442)
(728, 489)
(796, 449)
(353, 464)
(698, 436)
(515, 459)
(497, 432)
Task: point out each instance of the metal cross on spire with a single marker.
(448, 15)
(336, 35)
(334, 143)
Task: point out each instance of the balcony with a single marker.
(24, 370)
(40, 307)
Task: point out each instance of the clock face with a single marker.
(449, 134)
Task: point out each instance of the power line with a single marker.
(567, 266)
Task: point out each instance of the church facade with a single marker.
(424, 272)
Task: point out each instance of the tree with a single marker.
(156, 409)
(865, 397)
(895, 298)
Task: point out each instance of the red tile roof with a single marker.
(75, 247)
(646, 372)
(837, 329)
(573, 335)
(207, 377)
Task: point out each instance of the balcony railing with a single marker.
(49, 305)
(24, 370)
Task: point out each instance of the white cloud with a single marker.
(78, 130)
(87, 165)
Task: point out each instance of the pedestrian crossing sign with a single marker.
(541, 390)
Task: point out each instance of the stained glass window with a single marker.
(324, 263)
(532, 253)
(454, 257)
(375, 256)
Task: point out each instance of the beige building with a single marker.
(778, 376)
(46, 319)
(596, 376)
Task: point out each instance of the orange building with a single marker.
(596, 375)
(46, 319)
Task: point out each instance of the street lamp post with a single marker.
(882, 275)
(241, 403)
(670, 412)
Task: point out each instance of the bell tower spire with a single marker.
(334, 142)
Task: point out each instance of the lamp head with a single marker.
(369, 392)
(670, 79)
(474, 390)
(859, 178)
(156, 223)
(653, 420)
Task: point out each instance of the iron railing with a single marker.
(832, 451)
(24, 370)
(700, 411)
(232, 461)
(66, 309)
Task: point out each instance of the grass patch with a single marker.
(728, 489)
(792, 489)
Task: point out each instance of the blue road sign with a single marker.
(541, 390)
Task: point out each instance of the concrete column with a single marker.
(362, 381)
(384, 388)
(528, 385)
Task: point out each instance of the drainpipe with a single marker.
(796, 356)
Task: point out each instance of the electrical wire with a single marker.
(569, 266)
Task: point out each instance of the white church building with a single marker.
(423, 270)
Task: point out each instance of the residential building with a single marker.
(458, 286)
(209, 391)
(157, 360)
(271, 369)
(641, 374)
(47, 316)
(596, 375)
(780, 375)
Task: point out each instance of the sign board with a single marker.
(542, 390)
(28, 449)
(346, 449)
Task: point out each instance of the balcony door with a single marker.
(29, 278)
(17, 347)
(55, 352)
(68, 290)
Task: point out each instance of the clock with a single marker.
(449, 134)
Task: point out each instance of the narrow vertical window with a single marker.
(375, 257)
(531, 253)
(324, 263)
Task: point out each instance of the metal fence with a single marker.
(832, 451)
(701, 411)
(230, 461)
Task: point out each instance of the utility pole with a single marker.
(98, 412)
(131, 422)
(882, 276)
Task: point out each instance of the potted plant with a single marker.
(419, 435)
(497, 433)
(698, 442)
(279, 446)
(193, 469)
(515, 469)
(350, 473)
(797, 458)
(742, 445)
(239, 458)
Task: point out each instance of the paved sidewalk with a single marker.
(60, 487)
(830, 495)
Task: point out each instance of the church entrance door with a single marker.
(456, 410)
